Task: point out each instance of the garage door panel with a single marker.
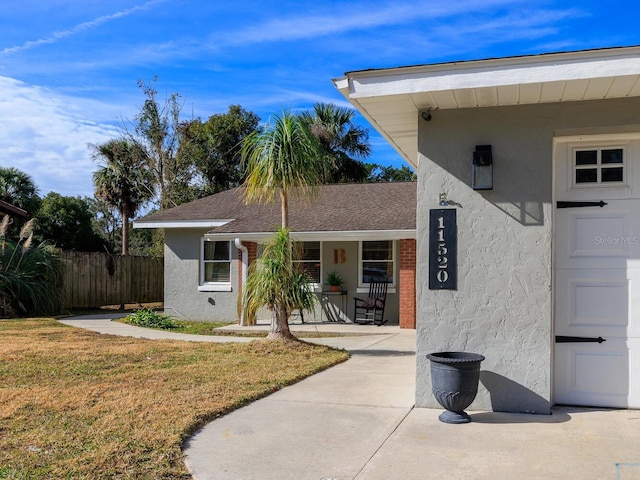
(592, 303)
(596, 240)
(594, 374)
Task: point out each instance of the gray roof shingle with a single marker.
(338, 208)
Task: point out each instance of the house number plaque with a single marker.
(443, 249)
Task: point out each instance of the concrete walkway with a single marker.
(356, 421)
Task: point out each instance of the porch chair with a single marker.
(371, 309)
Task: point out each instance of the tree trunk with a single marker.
(280, 325)
(125, 232)
(284, 208)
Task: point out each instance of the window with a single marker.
(309, 261)
(376, 261)
(215, 264)
(598, 166)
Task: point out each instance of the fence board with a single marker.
(97, 279)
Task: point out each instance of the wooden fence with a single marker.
(97, 279)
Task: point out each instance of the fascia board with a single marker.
(182, 224)
(493, 73)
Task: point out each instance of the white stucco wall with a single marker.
(503, 305)
(182, 274)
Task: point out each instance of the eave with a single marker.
(327, 236)
(392, 99)
(182, 224)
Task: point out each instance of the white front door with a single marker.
(597, 271)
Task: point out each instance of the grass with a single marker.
(77, 404)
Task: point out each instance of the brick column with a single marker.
(407, 283)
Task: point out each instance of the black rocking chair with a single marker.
(371, 309)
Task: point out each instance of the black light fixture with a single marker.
(482, 170)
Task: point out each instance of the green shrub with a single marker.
(146, 317)
(31, 275)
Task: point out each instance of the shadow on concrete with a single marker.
(501, 418)
(509, 396)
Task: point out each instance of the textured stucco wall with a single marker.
(503, 305)
(181, 276)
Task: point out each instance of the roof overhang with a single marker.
(182, 224)
(391, 99)
(319, 236)
(10, 209)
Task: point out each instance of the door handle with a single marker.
(580, 204)
(562, 339)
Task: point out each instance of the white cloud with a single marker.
(55, 36)
(356, 17)
(46, 136)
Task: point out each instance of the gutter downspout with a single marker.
(245, 266)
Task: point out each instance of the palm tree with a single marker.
(19, 189)
(285, 159)
(345, 144)
(122, 181)
(274, 282)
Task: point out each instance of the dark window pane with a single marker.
(587, 157)
(377, 272)
(612, 156)
(311, 251)
(217, 272)
(587, 175)
(378, 250)
(612, 174)
(311, 269)
(216, 250)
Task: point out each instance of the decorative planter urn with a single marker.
(454, 379)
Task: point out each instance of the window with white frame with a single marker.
(215, 263)
(376, 261)
(308, 260)
(598, 166)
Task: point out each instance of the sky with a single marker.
(69, 69)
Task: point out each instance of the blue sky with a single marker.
(68, 69)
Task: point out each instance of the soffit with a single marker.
(391, 99)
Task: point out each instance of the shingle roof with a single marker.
(338, 208)
(11, 209)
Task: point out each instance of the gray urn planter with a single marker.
(454, 379)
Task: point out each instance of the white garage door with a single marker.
(597, 272)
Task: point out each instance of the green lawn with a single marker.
(77, 404)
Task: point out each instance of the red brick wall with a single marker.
(252, 253)
(407, 284)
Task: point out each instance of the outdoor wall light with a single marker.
(482, 170)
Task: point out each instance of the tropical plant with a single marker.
(30, 275)
(19, 189)
(274, 282)
(283, 159)
(345, 144)
(334, 279)
(122, 180)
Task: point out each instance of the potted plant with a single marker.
(335, 281)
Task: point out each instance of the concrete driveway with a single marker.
(356, 421)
